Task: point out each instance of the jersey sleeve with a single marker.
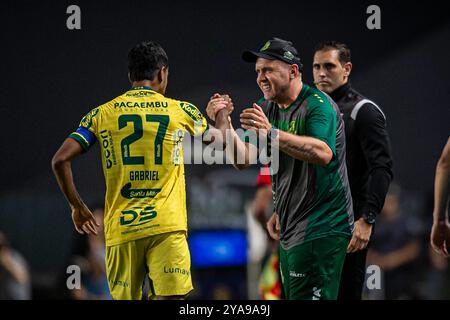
(193, 120)
(85, 135)
(370, 126)
(321, 124)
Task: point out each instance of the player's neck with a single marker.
(146, 83)
(292, 94)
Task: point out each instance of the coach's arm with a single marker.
(303, 148)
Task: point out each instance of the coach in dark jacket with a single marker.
(369, 162)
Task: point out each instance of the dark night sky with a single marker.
(52, 76)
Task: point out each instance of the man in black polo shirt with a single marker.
(368, 156)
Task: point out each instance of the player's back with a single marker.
(140, 135)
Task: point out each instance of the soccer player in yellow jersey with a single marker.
(140, 134)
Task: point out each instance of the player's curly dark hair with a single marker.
(344, 51)
(145, 59)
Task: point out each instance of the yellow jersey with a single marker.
(140, 135)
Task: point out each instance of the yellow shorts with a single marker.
(164, 257)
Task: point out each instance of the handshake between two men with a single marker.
(219, 109)
(251, 118)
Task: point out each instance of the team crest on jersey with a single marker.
(192, 111)
(292, 128)
(87, 119)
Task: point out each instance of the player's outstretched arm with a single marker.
(217, 103)
(440, 232)
(82, 217)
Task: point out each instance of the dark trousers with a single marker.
(353, 275)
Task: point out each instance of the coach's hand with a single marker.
(273, 226)
(361, 236)
(84, 220)
(255, 119)
(219, 102)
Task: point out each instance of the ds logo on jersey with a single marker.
(144, 216)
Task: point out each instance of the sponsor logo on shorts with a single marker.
(120, 283)
(294, 274)
(176, 270)
(316, 293)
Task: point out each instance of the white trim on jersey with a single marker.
(360, 104)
